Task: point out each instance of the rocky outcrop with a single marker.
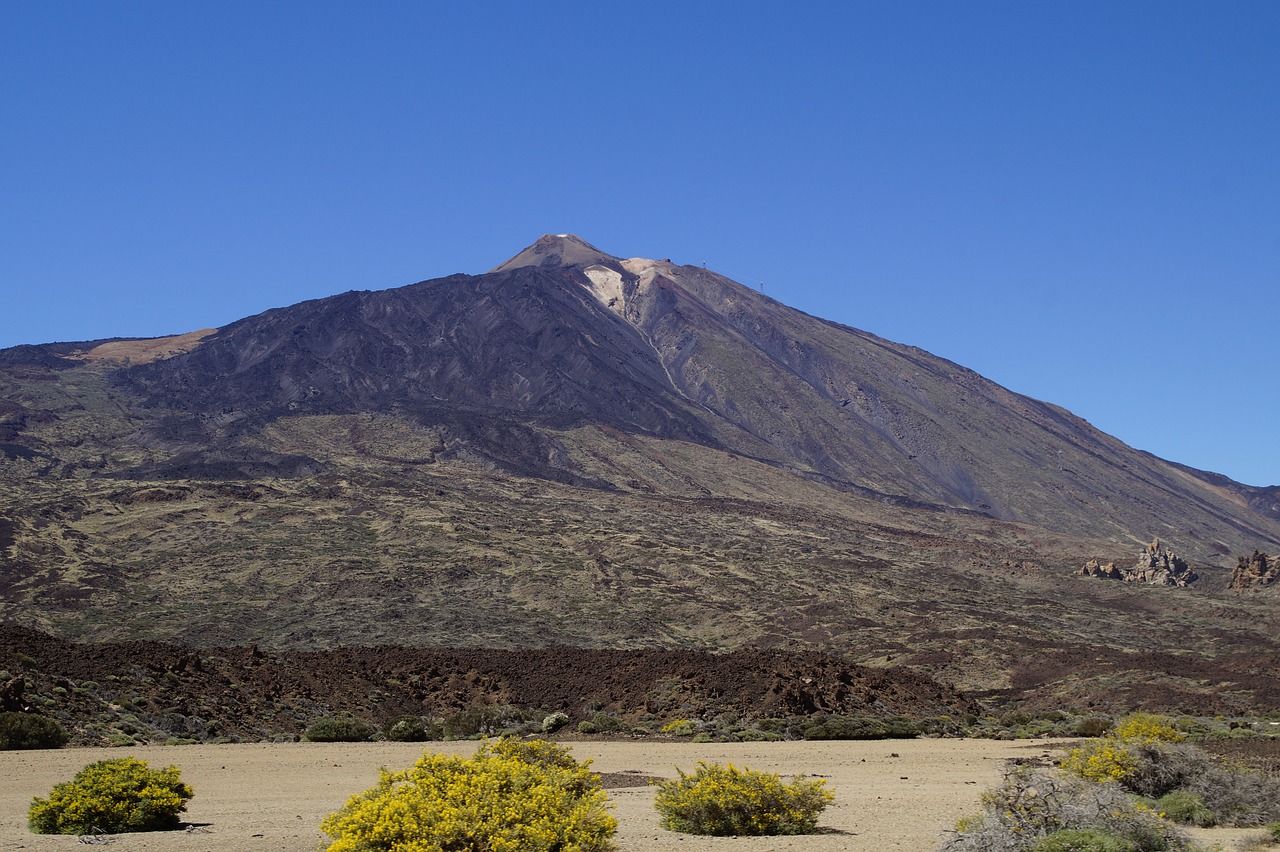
(1255, 572)
(1155, 567)
(1109, 571)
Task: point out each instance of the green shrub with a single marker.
(1014, 718)
(1185, 807)
(609, 724)
(407, 729)
(112, 796)
(1083, 840)
(602, 723)
(1273, 831)
(29, 730)
(727, 801)
(752, 735)
(862, 728)
(483, 720)
(511, 795)
(1093, 726)
(339, 729)
(554, 722)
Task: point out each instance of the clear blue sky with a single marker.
(1079, 200)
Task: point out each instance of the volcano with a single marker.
(582, 449)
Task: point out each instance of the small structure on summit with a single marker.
(1155, 566)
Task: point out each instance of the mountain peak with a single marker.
(556, 250)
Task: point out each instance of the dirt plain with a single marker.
(890, 794)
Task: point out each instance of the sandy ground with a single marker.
(890, 794)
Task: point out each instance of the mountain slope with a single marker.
(563, 335)
(580, 449)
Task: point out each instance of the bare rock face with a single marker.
(1255, 572)
(1155, 567)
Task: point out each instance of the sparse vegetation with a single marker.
(1037, 806)
(1106, 760)
(1083, 840)
(511, 795)
(28, 731)
(1147, 727)
(602, 723)
(1092, 726)
(486, 720)
(861, 728)
(408, 729)
(1187, 808)
(112, 796)
(727, 801)
(1201, 790)
(680, 728)
(553, 722)
(339, 729)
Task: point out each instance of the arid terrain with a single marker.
(890, 794)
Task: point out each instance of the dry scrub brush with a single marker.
(1233, 794)
(1033, 805)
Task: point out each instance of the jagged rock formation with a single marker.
(1109, 571)
(1155, 567)
(1255, 572)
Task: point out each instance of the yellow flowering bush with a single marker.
(1145, 727)
(679, 728)
(727, 801)
(1119, 757)
(112, 796)
(512, 796)
(1104, 760)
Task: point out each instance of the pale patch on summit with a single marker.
(606, 286)
(646, 271)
